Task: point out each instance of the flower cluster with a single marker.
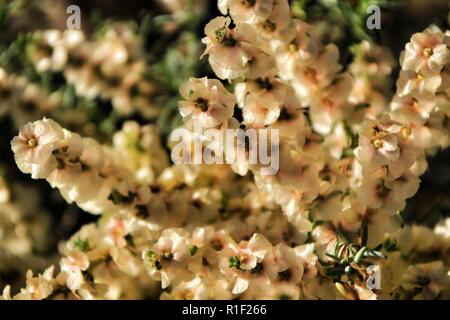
(21, 232)
(96, 177)
(392, 148)
(322, 227)
(25, 101)
(111, 66)
(373, 156)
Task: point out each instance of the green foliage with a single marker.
(350, 16)
(7, 8)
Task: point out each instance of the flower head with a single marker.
(207, 102)
(34, 145)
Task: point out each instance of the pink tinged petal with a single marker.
(19, 146)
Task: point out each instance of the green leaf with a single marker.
(81, 244)
(193, 250)
(234, 262)
(359, 255)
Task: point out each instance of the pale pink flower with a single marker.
(38, 288)
(250, 11)
(34, 145)
(410, 110)
(251, 252)
(330, 104)
(242, 262)
(379, 142)
(291, 121)
(299, 48)
(261, 100)
(321, 71)
(167, 259)
(271, 28)
(426, 53)
(229, 50)
(72, 265)
(413, 83)
(290, 266)
(206, 103)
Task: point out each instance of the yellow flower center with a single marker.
(378, 143)
(32, 142)
(375, 130)
(427, 52)
(168, 255)
(405, 132)
(293, 46)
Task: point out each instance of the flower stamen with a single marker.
(32, 142)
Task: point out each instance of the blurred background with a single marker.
(163, 39)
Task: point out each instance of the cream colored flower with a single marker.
(272, 31)
(416, 83)
(34, 145)
(230, 50)
(206, 103)
(298, 171)
(427, 53)
(38, 288)
(309, 258)
(249, 253)
(239, 262)
(431, 278)
(195, 289)
(318, 74)
(299, 48)
(379, 142)
(261, 100)
(73, 264)
(246, 11)
(167, 259)
(290, 265)
(47, 51)
(388, 196)
(291, 121)
(330, 105)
